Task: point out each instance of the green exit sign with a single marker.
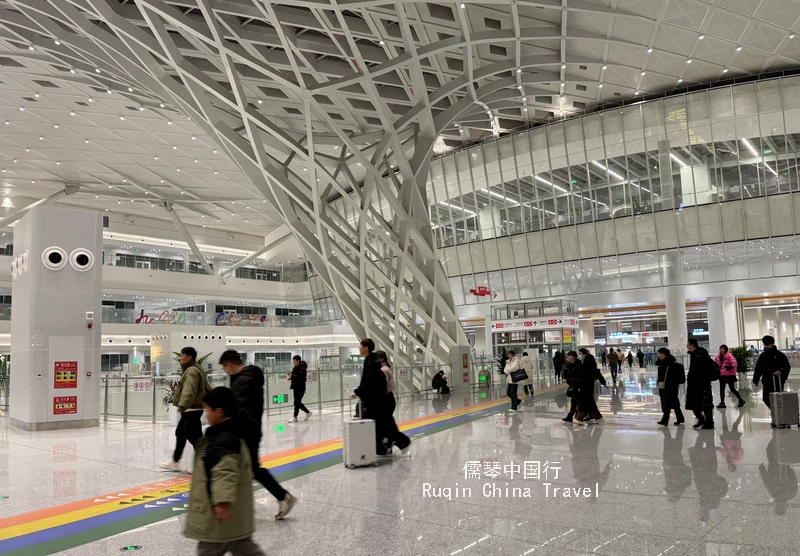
(573, 181)
(767, 151)
(482, 378)
(280, 398)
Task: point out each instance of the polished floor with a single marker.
(634, 488)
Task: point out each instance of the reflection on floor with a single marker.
(477, 483)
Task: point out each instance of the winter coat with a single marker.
(512, 365)
(526, 363)
(558, 362)
(613, 358)
(640, 357)
(248, 387)
(572, 374)
(727, 364)
(372, 388)
(389, 378)
(299, 376)
(673, 375)
(770, 361)
(589, 373)
(222, 473)
(191, 389)
(630, 359)
(698, 382)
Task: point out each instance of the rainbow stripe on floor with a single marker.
(63, 527)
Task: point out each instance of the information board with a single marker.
(65, 374)
(65, 405)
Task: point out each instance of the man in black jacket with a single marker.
(771, 363)
(372, 388)
(298, 378)
(699, 397)
(247, 384)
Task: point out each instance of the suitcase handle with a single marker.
(776, 383)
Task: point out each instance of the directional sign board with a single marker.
(534, 323)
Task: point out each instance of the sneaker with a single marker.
(170, 465)
(741, 403)
(514, 410)
(285, 506)
(308, 416)
(293, 420)
(722, 406)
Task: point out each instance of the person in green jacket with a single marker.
(188, 397)
(221, 511)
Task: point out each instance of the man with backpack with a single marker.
(188, 397)
(702, 372)
(772, 367)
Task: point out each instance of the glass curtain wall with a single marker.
(592, 203)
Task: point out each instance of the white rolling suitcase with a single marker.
(785, 410)
(359, 443)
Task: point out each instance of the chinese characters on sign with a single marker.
(537, 470)
(535, 323)
(65, 405)
(65, 374)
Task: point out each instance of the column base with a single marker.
(57, 425)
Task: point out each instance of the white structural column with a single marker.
(723, 325)
(55, 341)
(675, 300)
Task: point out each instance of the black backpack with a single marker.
(713, 370)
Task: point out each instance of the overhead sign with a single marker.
(651, 334)
(538, 323)
(65, 374)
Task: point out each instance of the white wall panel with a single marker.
(587, 240)
(755, 218)
(519, 247)
(606, 240)
(507, 259)
(688, 228)
(569, 243)
(732, 221)
(552, 245)
(710, 228)
(626, 235)
(536, 248)
(781, 217)
(492, 258)
(464, 262)
(665, 229)
(476, 252)
(645, 226)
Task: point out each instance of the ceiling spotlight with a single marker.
(97, 70)
(178, 169)
(36, 95)
(600, 86)
(124, 180)
(58, 163)
(643, 73)
(55, 126)
(701, 37)
(122, 117)
(738, 49)
(90, 99)
(562, 97)
(215, 151)
(86, 141)
(605, 67)
(72, 70)
(689, 61)
(15, 160)
(381, 43)
(193, 137)
(169, 122)
(636, 93)
(8, 123)
(649, 50)
(22, 109)
(130, 90)
(174, 147)
(195, 161)
(27, 149)
(260, 101)
(463, 5)
(680, 80)
(182, 192)
(41, 138)
(109, 91)
(141, 109)
(30, 47)
(791, 36)
(160, 181)
(33, 181)
(563, 66)
(724, 70)
(525, 109)
(161, 105)
(72, 113)
(110, 186)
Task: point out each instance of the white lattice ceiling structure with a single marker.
(318, 100)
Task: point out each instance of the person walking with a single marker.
(603, 358)
(572, 375)
(526, 363)
(247, 385)
(220, 515)
(699, 398)
(372, 389)
(587, 406)
(671, 375)
(558, 364)
(188, 397)
(298, 378)
(512, 365)
(391, 433)
(640, 357)
(727, 375)
(630, 359)
(771, 363)
(613, 364)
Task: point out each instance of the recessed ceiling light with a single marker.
(58, 163)
(72, 113)
(22, 109)
(600, 86)
(605, 67)
(381, 43)
(193, 137)
(36, 95)
(178, 169)
(122, 117)
(174, 147)
(260, 101)
(649, 50)
(90, 99)
(41, 138)
(563, 66)
(636, 93)
(701, 37)
(55, 126)
(130, 90)
(30, 47)
(72, 70)
(86, 141)
(108, 91)
(161, 105)
(643, 73)
(689, 61)
(27, 149)
(58, 43)
(725, 70)
(463, 5)
(97, 70)
(738, 48)
(680, 80)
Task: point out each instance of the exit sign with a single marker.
(280, 398)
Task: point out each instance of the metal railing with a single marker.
(189, 318)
